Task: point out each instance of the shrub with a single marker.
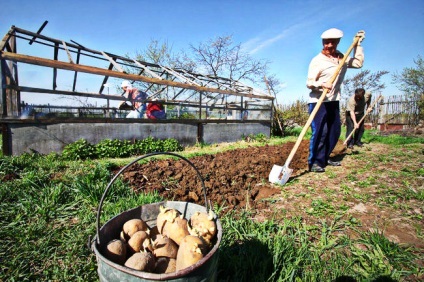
(290, 117)
(79, 150)
(260, 137)
(114, 148)
(171, 145)
(187, 116)
(107, 148)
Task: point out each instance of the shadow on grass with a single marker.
(351, 279)
(245, 261)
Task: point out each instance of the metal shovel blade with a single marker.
(280, 174)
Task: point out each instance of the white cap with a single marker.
(125, 83)
(332, 33)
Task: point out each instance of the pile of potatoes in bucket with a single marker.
(173, 244)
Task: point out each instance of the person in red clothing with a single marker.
(155, 110)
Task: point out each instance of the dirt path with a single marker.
(238, 179)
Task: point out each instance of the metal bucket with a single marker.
(203, 270)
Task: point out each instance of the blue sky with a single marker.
(286, 33)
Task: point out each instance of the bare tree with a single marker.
(161, 53)
(220, 57)
(364, 79)
(274, 85)
(411, 80)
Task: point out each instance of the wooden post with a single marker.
(200, 105)
(3, 109)
(55, 56)
(76, 73)
(10, 98)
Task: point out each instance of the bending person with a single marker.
(136, 97)
(354, 113)
(155, 110)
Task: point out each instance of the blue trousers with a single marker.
(326, 129)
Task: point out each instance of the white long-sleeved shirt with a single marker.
(322, 68)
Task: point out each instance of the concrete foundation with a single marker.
(53, 137)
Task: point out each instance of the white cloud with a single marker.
(337, 13)
(256, 44)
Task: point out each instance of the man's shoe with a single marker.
(333, 163)
(359, 144)
(350, 147)
(316, 168)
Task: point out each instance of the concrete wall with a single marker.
(218, 132)
(53, 137)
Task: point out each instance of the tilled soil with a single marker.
(238, 180)
(234, 179)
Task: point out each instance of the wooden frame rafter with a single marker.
(186, 86)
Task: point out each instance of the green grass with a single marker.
(393, 139)
(48, 215)
(292, 251)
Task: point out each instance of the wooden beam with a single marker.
(55, 56)
(74, 84)
(5, 41)
(70, 93)
(112, 61)
(181, 77)
(182, 103)
(3, 95)
(147, 69)
(67, 52)
(105, 80)
(77, 45)
(38, 32)
(100, 96)
(99, 71)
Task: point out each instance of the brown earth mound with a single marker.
(234, 179)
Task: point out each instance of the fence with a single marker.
(390, 113)
(399, 112)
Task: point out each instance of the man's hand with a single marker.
(361, 35)
(356, 125)
(327, 85)
(369, 110)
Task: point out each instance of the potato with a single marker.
(165, 215)
(176, 229)
(164, 247)
(204, 225)
(142, 261)
(116, 251)
(191, 250)
(165, 265)
(139, 241)
(132, 226)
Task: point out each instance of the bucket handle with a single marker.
(131, 163)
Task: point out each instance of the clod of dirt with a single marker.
(236, 179)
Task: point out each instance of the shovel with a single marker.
(362, 119)
(281, 174)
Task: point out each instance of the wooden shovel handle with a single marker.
(315, 110)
